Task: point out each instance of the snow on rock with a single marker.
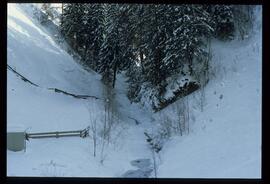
(174, 85)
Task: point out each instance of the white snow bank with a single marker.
(225, 141)
(33, 53)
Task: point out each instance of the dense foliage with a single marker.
(151, 43)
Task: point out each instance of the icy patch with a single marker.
(144, 171)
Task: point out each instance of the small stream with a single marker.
(144, 170)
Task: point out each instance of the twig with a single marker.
(136, 121)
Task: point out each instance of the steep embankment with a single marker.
(226, 137)
(34, 55)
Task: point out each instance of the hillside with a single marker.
(227, 133)
(224, 139)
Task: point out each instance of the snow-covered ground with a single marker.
(33, 53)
(225, 139)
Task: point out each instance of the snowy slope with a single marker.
(33, 53)
(224, 140)
(30, 48)
(226, 137)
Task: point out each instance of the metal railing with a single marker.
(81, 133)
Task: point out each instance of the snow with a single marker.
(226, 137)
(50, 66)
(15, 128)
(224, 141)
(175, 84)
(33, 53)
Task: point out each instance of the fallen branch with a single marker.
(54, 89)
(21, 76)
(71, 94)
(155, 146)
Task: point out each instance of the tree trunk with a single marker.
(85, 52)
(114, 74)
(141, 60)
(190, 65)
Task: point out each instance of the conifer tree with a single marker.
(154, 38)
(224, 21)
(191, 25)
(71, 23)
(93, 24)
(108, 55)
(116, 49)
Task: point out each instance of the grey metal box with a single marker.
(16, 141)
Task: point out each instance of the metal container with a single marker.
(15, 139)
